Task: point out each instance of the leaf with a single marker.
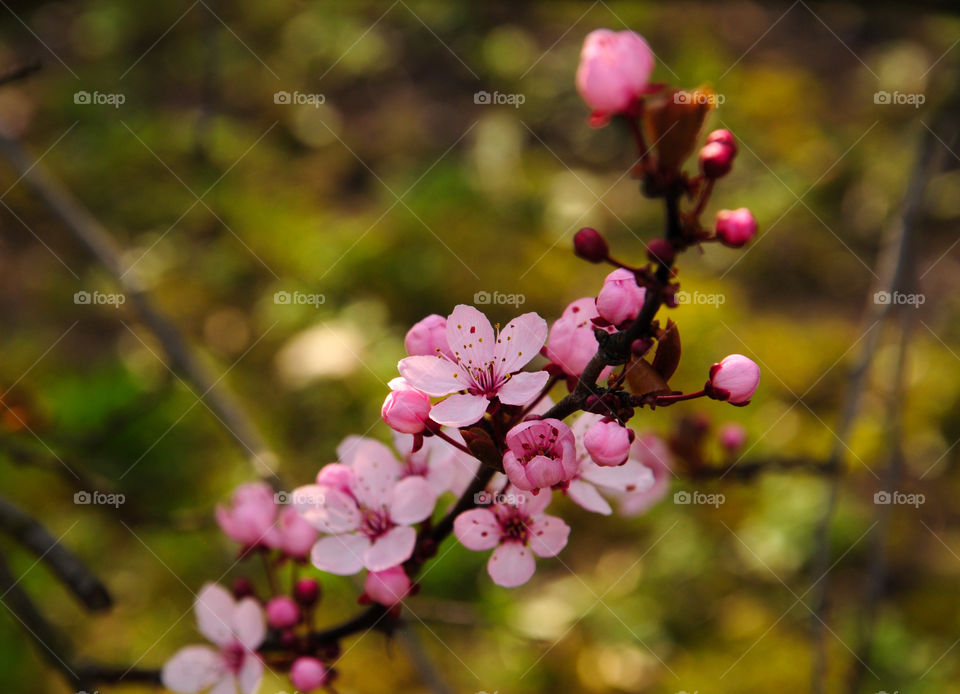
(673, 122)
(643, 379)
(482, 446)
(667, 358)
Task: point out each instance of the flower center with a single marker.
(539, 441)
(374, 523)
(513, 526)
(233, 656)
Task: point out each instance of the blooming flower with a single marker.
(608, 443)
(513, 526)
(632, 477)
(485, 365)
(734, 379)
(621, 298)
(387, 587)
(237, 629)
(405, 409)
(251, 516)
(541, 453)
(366, 512)
(654, 453)
(572, 344)
(614, 70)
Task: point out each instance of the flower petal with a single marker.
(585, 495)
(373, 479)
(327, 509)
(227, 684)
(519, 342)
(470, 337)
(390, 549)
(250, 674)
(248, 623)
(477, 529)
(340, 554)
(433, 375)
(353, 446)
(522, 387)
(548, 535)
(192, 669)
(459, 410)
(511, 565)
(632, 476)
(214, 610)
(411, 500)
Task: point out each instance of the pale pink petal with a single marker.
(373, 479)
(477, 529)
(192, 669)
(327, 509)
(225, 685)
(531, 504)
(522, 387)
(433, 375)
(393, 548)
(470, 337)
(251, 673)
(411, 500)
(214, 610)
(249, 624)
(340, 554)
(629, 477)
(548, 535)
(459, 410)
(585, 495)
(519, 342)
(353, 448)
(511, 565)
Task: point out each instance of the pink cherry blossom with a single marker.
(734, 379)
(294, 535)
(485, 365)
(428, 337)
(735, 227)
(236, 629)
(541, 453)
(732, 436)
(367, 521)
(608, 443)
(405, 409)
(614, 70)
(655, 454)
(621, 298)
(282, 612)
(307, 674)
(445, 467)
(250, 518)
(387, 587)
(633, 477)
(572, 344)
(513, 526)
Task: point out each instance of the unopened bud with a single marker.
(716, 159)
(590, 245)
(661, 251)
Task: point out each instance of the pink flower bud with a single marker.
(608, 443)
(428, 337)
(307, 674)
(282, 612)
(614, 70)
(296, 537)
(406, 409)
(542, 453)
(724, 137)
(732, 436)
(716, 159)
(336, 475)
(387, 587)
(590, 245)
(307, 592)
(250, 517)
(734, 379)
(621, 298)
(735, 227)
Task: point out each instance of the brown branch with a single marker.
(19, 73)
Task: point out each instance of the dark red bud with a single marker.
(590, 245)
(724, 137)
(307, 592)
(716, 159)
(243, 588)
(661, 251)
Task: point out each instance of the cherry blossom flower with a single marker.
(428, 337)
(405, 409)
(542, 453)
(250, 519)
(655, 454)
(485, 365)
(294, 536)
(621, 298)
(734, 379)
(515, 527)
(236, 629)
(367, 513)
(735, 227)
(572, 344)
(732, 437)
(633, 477)
(608, 443)
(387, 587)
(614, 70)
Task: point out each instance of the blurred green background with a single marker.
(400, 196)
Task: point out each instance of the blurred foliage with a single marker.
(400, 196)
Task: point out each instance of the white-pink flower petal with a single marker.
(477, 529)
(214, 611)
(511, 565)
(433, 375)
(519, 342)
(340, 554)
(523, 387)
(460, 410)
(390, 549)
(548, 535)
(248, 623)
(411, 501)
(192, 669)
